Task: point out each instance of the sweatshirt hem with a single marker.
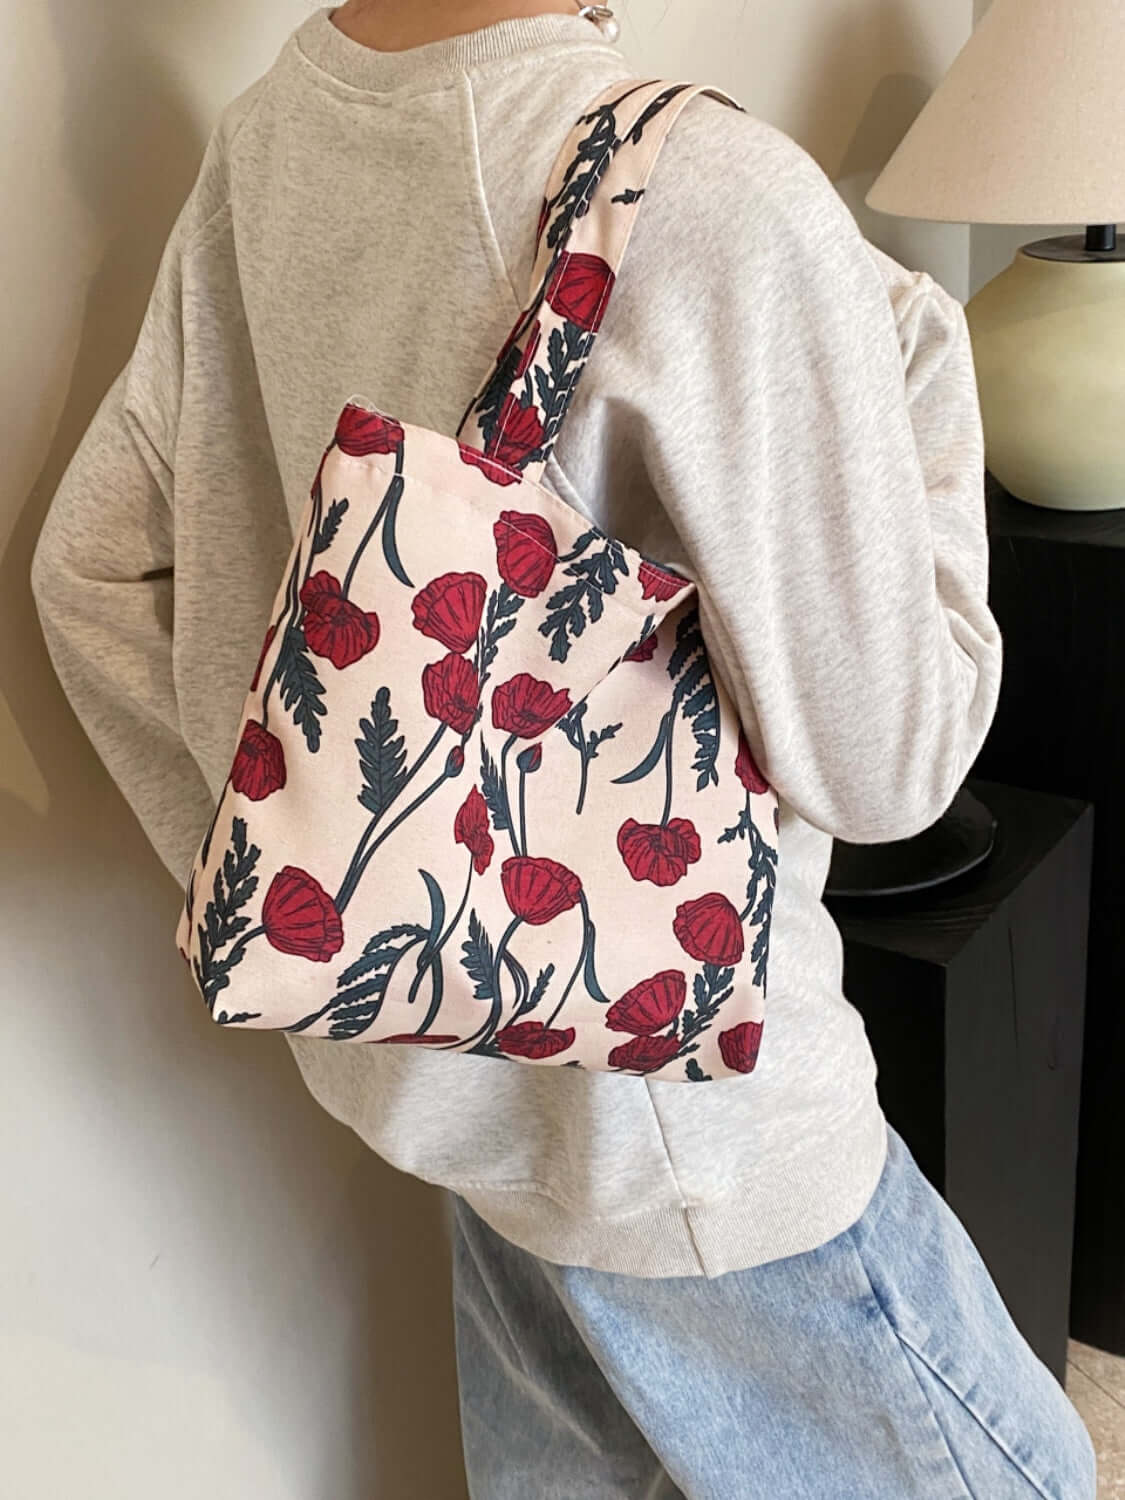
(793, 1212)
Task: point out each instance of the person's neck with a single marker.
(395, 25)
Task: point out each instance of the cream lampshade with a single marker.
(1028, 128)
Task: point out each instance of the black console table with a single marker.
(972, 996)
(1058, 593)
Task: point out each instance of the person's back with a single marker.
(774, 408)
(364, 223)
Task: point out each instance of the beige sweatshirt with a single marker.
(775, 408)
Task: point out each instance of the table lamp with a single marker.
(1027, 127)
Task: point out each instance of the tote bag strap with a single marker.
(590, 205)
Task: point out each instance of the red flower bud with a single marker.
(359, 432)
(470, 827)
(259, 763)
(746, 767)
(739, 1046)
(530, 760)
(455, 762)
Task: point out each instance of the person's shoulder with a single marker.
(210, 193)
(731, 166)
(242, 108)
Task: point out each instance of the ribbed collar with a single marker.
(326, 46)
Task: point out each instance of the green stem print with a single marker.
(386, 517)
(367, 850)
(760, 886)
(573, 726)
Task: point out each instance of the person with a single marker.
(660, 1290)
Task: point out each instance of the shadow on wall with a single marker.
(222, 1291)
(845, 50)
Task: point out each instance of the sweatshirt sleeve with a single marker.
(815, 437)
(103, 577)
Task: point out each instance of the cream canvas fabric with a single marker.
(481, 731)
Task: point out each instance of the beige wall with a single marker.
(207, 1288)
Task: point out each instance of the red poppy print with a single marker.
(533, 1039)
(658, 583)
(643, 1054)
(527, 707)
(579, 289)
(517, 434)
(644, 650)
(470, 827)
(539, 890)
(650, 1005)
(266, 644)
(449, 609)
(412, 1036)
(660, 852)
(451, 692)
(738, 1047)
(259, 763)
(359, 432)
(299, 917)
(334, 627)
(489, 467)
(709, 929)
(746, 767)
(526, 552)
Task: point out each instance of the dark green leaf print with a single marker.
(478, 961)
(326, 533)
(234, 884)
(301, 688)
(579, 602)
(695, 693)
(382, 756)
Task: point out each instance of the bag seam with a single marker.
(641, 608)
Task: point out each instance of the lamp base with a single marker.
(1049, 350)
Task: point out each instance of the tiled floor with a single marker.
(1095, 1382)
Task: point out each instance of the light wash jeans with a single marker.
(882, 1365)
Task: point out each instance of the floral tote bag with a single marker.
(487, 794)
